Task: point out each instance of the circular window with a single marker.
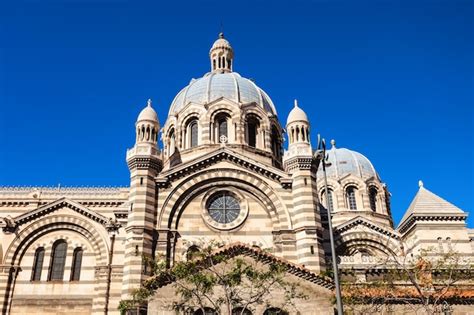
(223, 208)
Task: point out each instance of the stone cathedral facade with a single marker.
(222, 173)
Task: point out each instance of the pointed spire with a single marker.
(296, 102)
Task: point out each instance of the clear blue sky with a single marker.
(390, 79)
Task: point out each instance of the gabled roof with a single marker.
(57, 204)
(362, 221)
(428, 204)
(223, 153)
(241, 249)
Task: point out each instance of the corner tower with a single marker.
(299, 163)
(144, 162)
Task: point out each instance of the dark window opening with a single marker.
(58, 260)
(38, 264)
(76, 264)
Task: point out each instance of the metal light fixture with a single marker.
(320, 154)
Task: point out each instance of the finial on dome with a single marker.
(296, 102)
(333, 144)
(148, 103)
(221, 35)
(420, 183)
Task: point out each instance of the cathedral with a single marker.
(216, 169)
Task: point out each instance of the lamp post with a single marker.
(320, 154)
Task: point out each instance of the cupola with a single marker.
(221, 55)
(147, 125)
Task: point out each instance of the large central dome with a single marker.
(215, 85)
(222, 82)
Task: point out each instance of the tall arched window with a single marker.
(58, 259)
(192, 130)
(276, 146)
(328, 203)
(76, 264)
(221, 124)
(37, 264)
(351, 198)
(252, 131)
(373, 198)
(172, 145)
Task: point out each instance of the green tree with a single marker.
(209, 280)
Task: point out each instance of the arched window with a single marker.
(329, 202)
(241, 311)
(351, 198)
(192, 252)
(192, 130)
(440, 245)
(373, 198)
(206, 311)
(276, 147)
(221, 123)
(275, 311)
(448, 241)
(37, 264)
(252, 131)
(76, 264)
(58, 259)
(172, 145)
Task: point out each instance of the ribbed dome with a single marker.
(148, 113)
(343, 161)
(296, 114)
(216, 85)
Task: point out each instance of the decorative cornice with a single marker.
(164, 179)
(361, 221)
(145, 162)
(415, 217)
(299, 163)
(11, 224)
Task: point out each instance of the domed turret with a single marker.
(222, 55)
(297, 115)
(297, 126)
(147, 125)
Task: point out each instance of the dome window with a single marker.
(328, 203)
(172, 143)
(351, 198)
(252, 127)
(373, 198)
(192, 133)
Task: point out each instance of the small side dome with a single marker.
(148, 113)
(341, 162)
(297, 114)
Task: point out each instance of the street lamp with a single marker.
(320, 154)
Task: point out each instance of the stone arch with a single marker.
(47, 224)
(366, 239)
(188, 188)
